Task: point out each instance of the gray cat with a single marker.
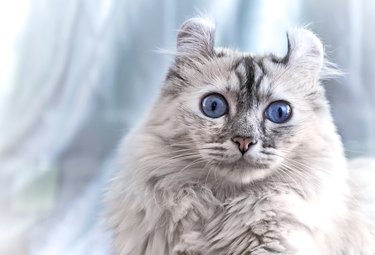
(240, 155)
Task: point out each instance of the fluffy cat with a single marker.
(239, 155)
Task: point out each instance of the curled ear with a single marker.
(196, 38)
(305, 52)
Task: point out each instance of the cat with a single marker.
(240, 155)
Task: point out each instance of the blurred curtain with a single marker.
(85, 72)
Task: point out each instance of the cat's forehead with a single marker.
(237, 73)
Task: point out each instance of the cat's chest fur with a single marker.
(207, 221)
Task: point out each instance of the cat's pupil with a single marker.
(280, 112)
(213, 106)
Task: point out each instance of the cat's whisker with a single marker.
(303, 175)
(305, 166)
(286, 170)
(356, 151)
(283, 180)
(207, 175)
(218, 147)
(181, 144)
(156, 155)
(294, 167)
(217, 167)
(285, 152)
(209, 165)
(197, 161)
(168, 154)
(172, 160)
(283, 170)
(178, 156)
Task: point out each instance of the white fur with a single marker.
(172, 197)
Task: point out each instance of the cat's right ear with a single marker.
(305, 52)
(196, 38)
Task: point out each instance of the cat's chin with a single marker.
(246, 170)
(250, 163)
(247, 163)
(249, 176)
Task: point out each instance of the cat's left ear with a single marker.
(196, 38)
(305, 52)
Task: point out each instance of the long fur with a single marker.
(184, 187)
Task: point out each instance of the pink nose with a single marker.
(243, 143)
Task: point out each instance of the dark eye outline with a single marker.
(279, 101)
(213, 94)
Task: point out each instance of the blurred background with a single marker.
(76, 75)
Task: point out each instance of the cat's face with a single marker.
(247, 115)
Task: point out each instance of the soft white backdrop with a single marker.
(77, 74)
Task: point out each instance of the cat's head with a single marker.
(248, 115)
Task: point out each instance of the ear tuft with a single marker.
(305, 50)
(196, 37)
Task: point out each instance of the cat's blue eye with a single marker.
(278, 112)
(214, 106)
